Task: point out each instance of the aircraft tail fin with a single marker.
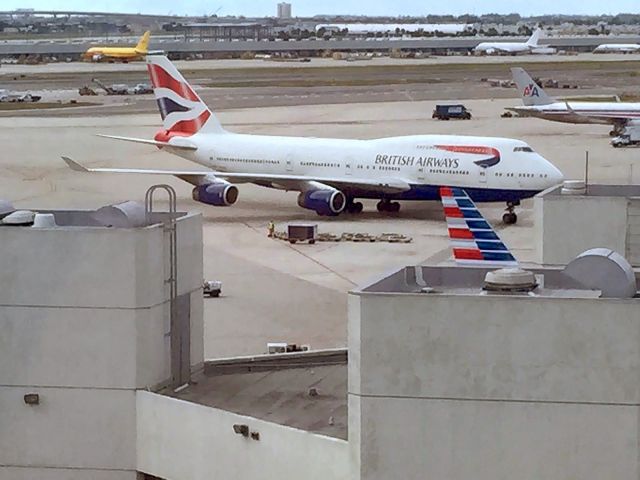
(143, 43)
(473, 240)
(535, 38)
(530, 91)
(183, 112)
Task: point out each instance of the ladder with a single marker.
(170, 227)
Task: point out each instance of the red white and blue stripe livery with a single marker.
(473, 240)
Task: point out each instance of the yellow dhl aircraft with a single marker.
(123, 54)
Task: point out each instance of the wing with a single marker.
(473, 240)
(293, 182)
(621, 117)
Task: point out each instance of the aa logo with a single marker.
(531, 90)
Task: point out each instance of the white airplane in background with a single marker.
(538, 104)
(617, 48)
(331, 174)
(530, 46)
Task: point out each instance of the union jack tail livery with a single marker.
(183, 112)
(473, 240)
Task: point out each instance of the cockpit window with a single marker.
(523, 149)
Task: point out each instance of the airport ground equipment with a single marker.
(446, 112)
(86, 91)
(300, 232)
(9, 97)
(630, 136)
(358, 237)
(212, 288)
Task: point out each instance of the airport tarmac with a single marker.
(88, 67)
(274, 291)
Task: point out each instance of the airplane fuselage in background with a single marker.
(489, 169)
(116, 53)
(608, 113)
(617, 48)
(506, 47)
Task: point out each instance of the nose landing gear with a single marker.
(510, 217)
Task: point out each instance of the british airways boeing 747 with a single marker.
(331, 174)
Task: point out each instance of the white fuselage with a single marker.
(420, 161)
(583, 112)
(503, 47)
(617, 48)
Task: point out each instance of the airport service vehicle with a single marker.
(142, 88)
(538, 104)
(212, 288)
(513, 48)
(8, 97)
(123, 54)
(445, 112)
(617, 48)
(629, 136)
(330, 174)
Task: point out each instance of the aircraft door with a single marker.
(289, 163)
(482, 175)
(348, 166)
(420, 175)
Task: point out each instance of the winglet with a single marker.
(473, 240)
(75, 165)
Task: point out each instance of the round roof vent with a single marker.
(122, 215)
(573, 187)
(605, 270)
(19, 217)
(510, 280)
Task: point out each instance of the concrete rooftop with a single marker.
(595, 190)
(277, 387)
(456, 280)
(124, 215)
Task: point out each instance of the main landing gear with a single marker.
(510, 217)
(385, 205)
(353, 207)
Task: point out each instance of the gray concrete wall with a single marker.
(179, 440)
(567, 225)
(487, 387)
(84, 316)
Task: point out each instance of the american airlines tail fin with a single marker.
(183, 112)
(143, 43)
(535, 37)
(531, 92)
(473, 240)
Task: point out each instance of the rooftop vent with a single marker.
(605, 270)
(573, 187)
(19, 218)
(122, 215)
(44, 220)
(510, 280)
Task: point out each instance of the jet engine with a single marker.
(217, 194)
(324, 201)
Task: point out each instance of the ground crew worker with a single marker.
(271, 228)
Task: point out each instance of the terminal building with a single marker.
(448, 372)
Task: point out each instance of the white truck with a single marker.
(630, 136)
